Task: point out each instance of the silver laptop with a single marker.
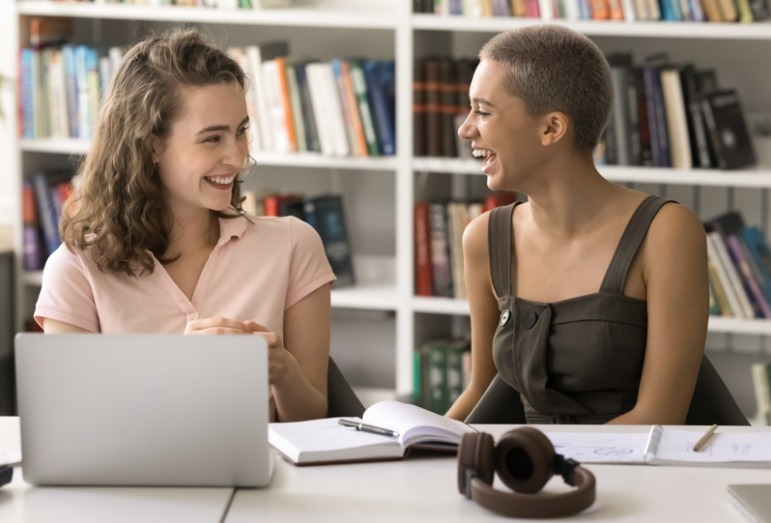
(143, 409)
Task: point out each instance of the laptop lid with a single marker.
(143, 409)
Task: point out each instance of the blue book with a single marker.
(757, 247)
(380, 77)
(325, 213)
(27, 94)
(49, 223)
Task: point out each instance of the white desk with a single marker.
(420, 489)
(23, 503)
(423, 489)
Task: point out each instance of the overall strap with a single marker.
(630, 242)
(499, 246)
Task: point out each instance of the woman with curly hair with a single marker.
(156, 240)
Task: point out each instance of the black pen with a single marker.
(372, 429)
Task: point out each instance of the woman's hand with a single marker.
(280, 361)
(218, 325)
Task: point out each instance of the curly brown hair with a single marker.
(118, 212)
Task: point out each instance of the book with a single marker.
(418, 109)
(440, 250)
(665, 445)
(676, 118)
(727, 129)
(697, 133)
(365, 110)
(325, 214)
(350, 107)
(32, 245)
(657, 120)
(325, 441)
(254, 56)
(619, 122)
(761, 384)
(717, 250)
(379, 75)
(424, 272)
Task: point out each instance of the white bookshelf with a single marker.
(383, 190)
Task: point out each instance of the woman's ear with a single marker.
(555, 128)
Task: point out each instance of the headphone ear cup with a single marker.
(525, 460)
(476, 456)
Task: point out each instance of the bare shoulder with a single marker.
(676, 238)
(676, 222)
(475, 235)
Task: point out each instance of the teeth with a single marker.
(221, 180)
(480, 153)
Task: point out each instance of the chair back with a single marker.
(499, 404)
(712, 402)
(341, 398)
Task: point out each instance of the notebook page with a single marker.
(601, 447)
(676, 445)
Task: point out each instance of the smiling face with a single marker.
(502, 133)
(204, 150)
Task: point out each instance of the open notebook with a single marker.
(327, 441)
(665, 445)
(143, 409)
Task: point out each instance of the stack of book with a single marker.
(739, 262)
(297, 104)
(744, 11)
(442, 369)
(438, 235)
(43, 198)
(669, 114)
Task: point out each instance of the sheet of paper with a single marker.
(598, 447)
(677, 445)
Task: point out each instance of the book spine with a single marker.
(306, 105)
(31, 241)
(423, 267)
(47, 212)
(328, 217)
(362, 97)
(440, 250)
(761, 383)
(354, 126)
(383, 112)
(759, 300)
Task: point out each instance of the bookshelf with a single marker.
(379, 322)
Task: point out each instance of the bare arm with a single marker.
(298, 368)
(59, 327)
(484, 316)
(674, 268)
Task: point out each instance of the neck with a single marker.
(193, 233)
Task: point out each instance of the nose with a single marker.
(466, 129)
(236, 153)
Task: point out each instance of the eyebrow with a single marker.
(215, 128)
(484, 101)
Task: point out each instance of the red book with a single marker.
(423, 269)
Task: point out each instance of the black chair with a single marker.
(499, 404)
(341, 397)
(712, 402)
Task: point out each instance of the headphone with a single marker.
(525, 460)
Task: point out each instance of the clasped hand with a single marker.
(279, 359)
